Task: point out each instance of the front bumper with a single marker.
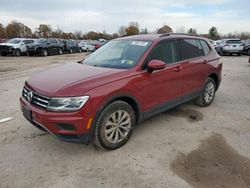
(70, 126)
(7, 51)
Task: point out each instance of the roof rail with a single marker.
(168, 34)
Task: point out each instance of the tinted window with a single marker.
(190, 48)
(165, 51)
(205, 47)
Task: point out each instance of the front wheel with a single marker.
(221, 52)
(114, 126)
(17, 52)
(207, 94)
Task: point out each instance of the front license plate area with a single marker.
(27, 114)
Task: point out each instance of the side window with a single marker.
(165, 51)
(190, 48)
(205, 46)
(53, 41)
(25, 42)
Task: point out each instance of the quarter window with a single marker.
(205, 47)
(190, 48)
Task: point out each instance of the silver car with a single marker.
(86, 46)
(230, 46)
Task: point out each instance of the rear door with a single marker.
(193, 63)
(162, 88)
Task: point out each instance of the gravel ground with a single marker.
(188, 146)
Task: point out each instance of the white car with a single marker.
(86, 46)
(15, 46)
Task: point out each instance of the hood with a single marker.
(72, 79)
(9, 44)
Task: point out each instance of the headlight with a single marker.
(68, 104)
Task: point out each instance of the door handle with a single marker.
(205, 61)
(177, 69)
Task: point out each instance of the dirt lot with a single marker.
(188, 146)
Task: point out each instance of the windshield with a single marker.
(41, 41)
(120, 54)
(14, 41)
(233, 42)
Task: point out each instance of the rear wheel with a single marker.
(208, 92)
(29, 54)
(221, 52)
(114, 126)
(3, 54)
(60, 51)
(45, 52)
(70, 51)
(239, 54)
(17, 52)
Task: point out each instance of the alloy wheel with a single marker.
(117, 126)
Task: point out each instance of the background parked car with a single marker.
(15, 46)
(246, 48)
(86, 46)
(230, 46)
(70, 46)
(45, 47)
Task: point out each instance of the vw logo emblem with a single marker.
(29, 96)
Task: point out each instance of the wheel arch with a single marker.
(123, 97)
(215, 78)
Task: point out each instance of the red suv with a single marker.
(129, 79)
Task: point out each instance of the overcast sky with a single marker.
(97, 15)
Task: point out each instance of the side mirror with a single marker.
(22, 43)
(155, 65)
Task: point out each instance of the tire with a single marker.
(80, 50)
(239, 54)
(17, 52)
(70, 51)
(109, 134)
(221, 52)
(207, 94)
(60, 51)
(87, 50)
(3, 54)
(248, 52)
(45, 52)
(29, 54)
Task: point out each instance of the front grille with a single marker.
(4, 47)
(35, 98)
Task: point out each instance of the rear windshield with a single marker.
(233, 42)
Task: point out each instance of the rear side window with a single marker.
(53, 41)
(190, 48)
(165, 51)
(205, 47)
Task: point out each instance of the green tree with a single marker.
(213, 33)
